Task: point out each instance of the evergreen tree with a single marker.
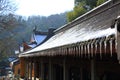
(100, 2)
(77, 11)
(81, 7)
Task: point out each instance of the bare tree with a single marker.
(7, 6)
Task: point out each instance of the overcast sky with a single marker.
(43, 7)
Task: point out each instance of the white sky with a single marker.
(43, 7)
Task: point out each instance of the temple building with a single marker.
(88, 48)
(37, 38)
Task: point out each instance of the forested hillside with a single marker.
(44, 23)
(14, 29)
(81, 7)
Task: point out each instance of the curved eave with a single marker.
(91, 48)
(68, 38)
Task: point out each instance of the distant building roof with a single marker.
(39, 37)
(11, 59)
(16, 61)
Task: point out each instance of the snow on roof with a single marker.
(73, 35)
(40, 38)
(14, 61)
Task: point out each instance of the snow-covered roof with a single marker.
(14, 61)
(37, 39)
(40, 38)
(10, 59)
(71, 36)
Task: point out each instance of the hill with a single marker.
(14, 29)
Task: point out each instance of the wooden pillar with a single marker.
(81, 73)
(92, 69)
(31, 66)
(50, 69)
(65, 70)
(35, 72)
(39, 71)
(22, 67)
(117, 34)
(42, 69)
(26, 71)
(50, 73)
